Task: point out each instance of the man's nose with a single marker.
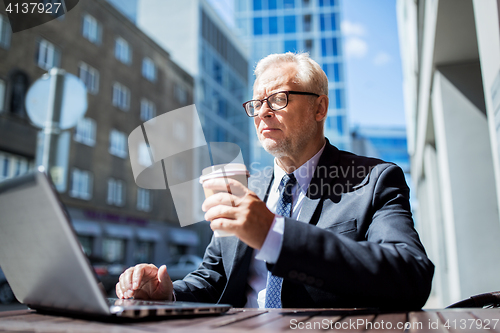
(265, 110)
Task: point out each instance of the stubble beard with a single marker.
(288, 147)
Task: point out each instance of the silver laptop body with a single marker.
(45, 265)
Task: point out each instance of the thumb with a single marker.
(164, 279)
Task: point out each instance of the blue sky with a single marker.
(373, 65)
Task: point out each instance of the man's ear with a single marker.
(321, 107)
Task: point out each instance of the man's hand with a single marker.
(238, 210)
(145, 281)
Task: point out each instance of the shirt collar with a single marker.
(303, 174)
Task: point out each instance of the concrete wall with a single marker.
(453, 111)
(468, 195)
(488, 40)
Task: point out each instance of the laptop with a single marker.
(46, 267)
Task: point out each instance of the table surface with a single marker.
(271, 320)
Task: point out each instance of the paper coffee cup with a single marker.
(234, 171)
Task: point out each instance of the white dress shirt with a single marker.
(270, 250)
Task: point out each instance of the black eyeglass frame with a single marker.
(286, 92)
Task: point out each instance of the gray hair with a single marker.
(309, 72)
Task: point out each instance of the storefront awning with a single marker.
(87, 228)
(183, 237)
(119, 231)
(149, 235)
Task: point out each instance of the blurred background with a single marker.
(414, 82)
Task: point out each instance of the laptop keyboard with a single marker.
(135, 302)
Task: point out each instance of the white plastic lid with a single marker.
(224, 170)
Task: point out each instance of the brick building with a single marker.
(130, 79)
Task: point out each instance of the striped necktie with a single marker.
(284, 208)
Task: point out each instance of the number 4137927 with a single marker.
(33, 8)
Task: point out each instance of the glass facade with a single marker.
(313, 26)
(290, 46)
(388, 144)
(222, 83)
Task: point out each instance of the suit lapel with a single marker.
(308, 209)
(320, 183)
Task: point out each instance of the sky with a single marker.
(373, 65)
(373, 74)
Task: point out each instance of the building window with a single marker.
(118, 144)
(121, 96)
(339, 103)
(329, 47)
(85, 131)
(288, 4)
(217, 72)
(340, 125)
(327, 69)
(257, 26)
(116, 191)
(123, 51)
(180, 94)
(221, 107)
(308, 46)
(149, 69)
(290, 46)
(290, 24)
(148, 110)
(145, 159)
(143, 200)
(19, 83)
(220, 135)
(2, 95)
(144, 251)
(91, 29)
(13, 165)
(47, 56)
(337, 74)
(5, 167)
(5, 32)
(328, 22)
(90, 77)
(327, 3)
(273, 25)
(307, 23)
(113, 250)
(257, 4)
(81, 184)
(272, 4)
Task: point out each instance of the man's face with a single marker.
(284, 133)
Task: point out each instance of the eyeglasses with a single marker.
(276, 101)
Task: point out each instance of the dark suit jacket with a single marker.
(358, 248)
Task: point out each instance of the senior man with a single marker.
(326, 228)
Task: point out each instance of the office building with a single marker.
(385, 143)
(451, 58)
(388, 144)
(127, 7)
(277, 26)
(206, 48)
(130, 79)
